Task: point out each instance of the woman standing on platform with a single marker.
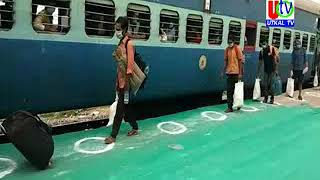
(124, 57)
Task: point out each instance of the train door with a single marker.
(250, 44)
(250, 36)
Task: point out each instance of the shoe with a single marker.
(300, 98)
(238, 109)
(265, 100)
(109, 140)
(228, 110)
(272, 100)
(133, 132)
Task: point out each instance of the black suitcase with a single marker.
(31, 136)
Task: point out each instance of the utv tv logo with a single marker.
(280, 13)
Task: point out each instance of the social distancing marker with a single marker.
(249, 109)
(274, 103)
(297, 100)
(9, 167)
(314, 94)
(180, 128)
(79, 149)
(214, 116)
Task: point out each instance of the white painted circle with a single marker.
(313, 94)
(181, 129)
(249, 109)
(11, 166)
(221, 117)
(274, 103)
(79, 149)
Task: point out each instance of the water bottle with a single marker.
(126, 97)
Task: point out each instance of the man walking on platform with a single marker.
(299, 64)
(233, 59)
(267, 56)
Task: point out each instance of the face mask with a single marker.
(264, 46)
(299, 46)
(231, 45)
(119, 34)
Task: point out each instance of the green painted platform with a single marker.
(274, 143)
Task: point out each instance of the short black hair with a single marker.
(231, 38)
(124, 23)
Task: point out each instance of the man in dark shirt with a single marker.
(299, 64)
(267, 57)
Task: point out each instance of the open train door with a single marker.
(250, 37)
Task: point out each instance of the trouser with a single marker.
(124, 110)
(267, 83)
(231, 81)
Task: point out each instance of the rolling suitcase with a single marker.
(31, 136)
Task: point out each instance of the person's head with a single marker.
(264, 44)
(171, 25)
(50, 8)
(121, 26)
(135, 17)
(231, 40)
(274, 42)
(297, 43)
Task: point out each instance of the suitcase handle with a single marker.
(3, 129)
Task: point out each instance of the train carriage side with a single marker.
(44, 71)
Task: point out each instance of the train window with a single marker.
(194, 29)
(6, 14)
(215, 31)
(264, 35)
(276, 37)
(169, 26)
(99, 18)
(287, 39)
(51, 17)
(297, 35)
(139, 21)
(312, 43)
(235, 30)
(305, 39)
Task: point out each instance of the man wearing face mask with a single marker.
(299, 64)
(124, 57)
(267, 56)
(44, 19)
(233, 59)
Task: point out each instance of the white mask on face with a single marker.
(299, 46)
(230, 44)
(119, 34)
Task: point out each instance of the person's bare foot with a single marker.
(109, 140)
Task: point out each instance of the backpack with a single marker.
(141, 64)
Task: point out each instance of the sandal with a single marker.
(109, 140)
(133, 132)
